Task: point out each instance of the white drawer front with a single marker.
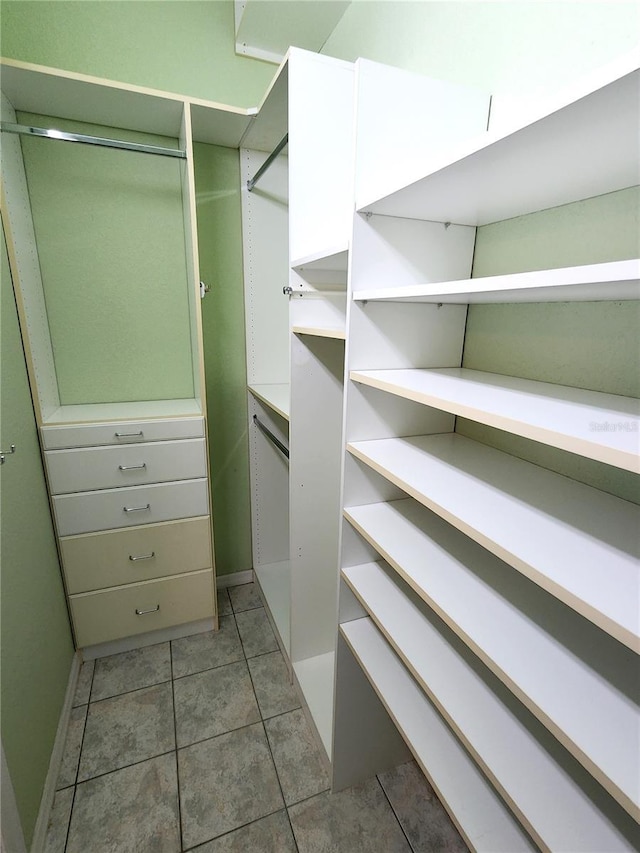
(98, 560)
(111, 614)
(119, 433)
(86, 469)
(85, 512)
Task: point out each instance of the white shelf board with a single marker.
(483, 601)
(604, 427)
(559, 155)
(579, 544)
(275, 582)
(593, 282)
(315, 679)
(481, 816)
(141, 410)
(265, 30)
(271, 120)
(558, 803)
(217, 124)
(276, 396)
(321, 331)
(333, 258)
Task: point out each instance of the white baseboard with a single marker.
(234, 579)
(49, 791)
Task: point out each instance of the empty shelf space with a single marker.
(339, 333)
(593, 282)
(480, 814)
(599, 426)
(483, 601)
(315, 679)
(557, 801)
(579, 544)
(274, 580)
(142, 410)
(333, 258)
(559, 155)
(276, 397)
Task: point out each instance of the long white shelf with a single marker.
(590, 283)
(556, 800)
(604, 427)
(139, 410)
(276, 397)
(481, 816)
(274, 580)
(321, 331)
(579, 544)
(315, 680)
(559, 155)
(484, 602)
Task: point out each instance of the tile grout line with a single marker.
(266, 736)
(384, 793)
(175, 740)
(75, 784)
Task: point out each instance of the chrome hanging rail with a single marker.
(52, 133)
(272, 438)
(253, 181)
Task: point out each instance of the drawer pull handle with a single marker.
(142, 557)
(132, 467)
(144, 612)
(129, 434)
(136, 508)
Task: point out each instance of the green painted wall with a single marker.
(217, 174)
(36, 649)
(183, 46)
(109, 228)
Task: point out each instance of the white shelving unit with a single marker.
(85, 429)
(500, 598)
(296, 223)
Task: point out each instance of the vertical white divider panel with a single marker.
(187, 180)
(25, 269)
(320, 153)
(195, 309)
(321, 206)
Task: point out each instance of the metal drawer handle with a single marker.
(142, 557)
(144, 612)
(132, 467)
(128, 434)
(136, 508)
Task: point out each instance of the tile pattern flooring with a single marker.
(200, 745)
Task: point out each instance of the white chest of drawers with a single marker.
(131, 507)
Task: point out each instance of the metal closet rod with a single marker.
(253, 181)
(272, 438)
(52, 133)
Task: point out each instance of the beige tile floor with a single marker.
(200, 745)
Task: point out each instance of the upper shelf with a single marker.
(333, 258)
(593, 282)
(272, 118)
(599, 426)
(276, 397)
(65, 94)
(557, 156)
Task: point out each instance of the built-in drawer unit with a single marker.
(118, 433)
(100, 617)
(83, 469)
(111, 558)
(108, 509)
